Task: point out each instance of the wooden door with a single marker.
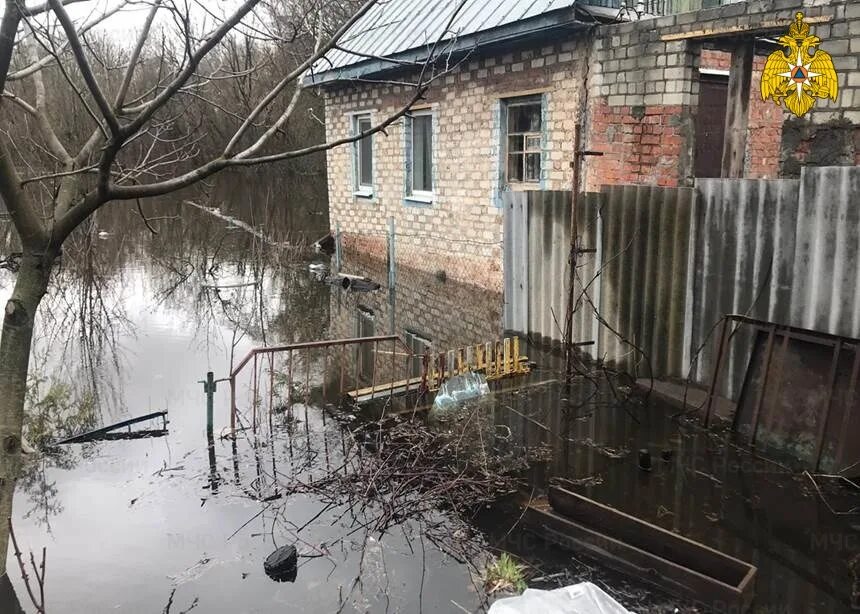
(711, 125)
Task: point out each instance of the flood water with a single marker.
(183, 520)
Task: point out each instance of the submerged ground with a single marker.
(168, 523)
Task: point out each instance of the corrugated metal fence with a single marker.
(671, 261)
(537, 264)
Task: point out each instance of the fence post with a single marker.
(391, 274)
(209, 387)
(338, 249)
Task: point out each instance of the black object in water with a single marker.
(282, 564)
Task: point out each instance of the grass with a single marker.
(505, 575)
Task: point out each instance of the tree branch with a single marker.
(8, 31)
(29, 226)
(135, 56)
(188, 71)
(84, 66)
(267, 100)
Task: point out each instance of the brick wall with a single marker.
(643, 93)
(460, 232)
(448, 313)
(643, 88)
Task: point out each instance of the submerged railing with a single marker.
(360, 369)
(357, 362)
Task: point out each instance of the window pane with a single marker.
(365, 153)
(515, 144)
(515, 167)
(422, 153)
(533, 167)
(533, 143)
(524, 118)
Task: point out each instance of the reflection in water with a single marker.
(135, 320)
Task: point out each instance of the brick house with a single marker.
(665, 98)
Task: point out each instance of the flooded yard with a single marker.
(381, 522)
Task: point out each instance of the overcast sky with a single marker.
(130, 19)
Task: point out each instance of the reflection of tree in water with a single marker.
(53, 411)
(188, 267)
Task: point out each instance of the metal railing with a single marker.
(305, 348)
(635, 9)
(363, 369)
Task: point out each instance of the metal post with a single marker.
(209, 388)
(391, 274)
(338, 249)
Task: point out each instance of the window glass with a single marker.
(365, 153)
(422, 153)
(524, 141)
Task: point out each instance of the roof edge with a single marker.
(507, 33)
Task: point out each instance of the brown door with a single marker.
(711, 125)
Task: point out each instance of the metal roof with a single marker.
(409, 28)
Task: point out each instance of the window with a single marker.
(365, 327)
(523, 142)
(363, 156)
(419, 155)
(418, 346)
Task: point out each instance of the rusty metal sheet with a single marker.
(799, 400)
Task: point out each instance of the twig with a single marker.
(40, 578)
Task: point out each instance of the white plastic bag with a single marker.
(582, 598)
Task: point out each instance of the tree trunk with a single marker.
(15, 340)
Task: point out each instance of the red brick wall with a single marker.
(641, 145)
(765, 119)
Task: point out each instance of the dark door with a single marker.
(711, 125)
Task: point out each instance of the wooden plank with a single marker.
(684, 567)
(737, 109)
(95, 434)
(638, 563)
(758, 27)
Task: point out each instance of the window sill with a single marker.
(366, 194)
(524, 186)
(418, 200)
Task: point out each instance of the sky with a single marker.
(131, 18)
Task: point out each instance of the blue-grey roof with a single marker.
(406, 29)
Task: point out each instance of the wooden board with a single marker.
(646, 552)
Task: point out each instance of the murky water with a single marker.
(132, 525)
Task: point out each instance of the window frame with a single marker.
(363, 190)
(411, 195)
(524, 101)
(423, 194)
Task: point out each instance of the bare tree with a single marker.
(127, 105)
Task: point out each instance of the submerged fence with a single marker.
(668, 263)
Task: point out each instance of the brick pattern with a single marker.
(640, 145)
(448, 313)
(460, 232)
(643, 96)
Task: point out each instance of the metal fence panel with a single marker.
(537, 250)
(826, 272)
(743, 264)
(645, 243)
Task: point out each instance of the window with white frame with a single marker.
(419, 155)
(363, 155)
(523, 136)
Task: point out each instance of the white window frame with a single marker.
(361, 189)
(423, 196)
(519, 101)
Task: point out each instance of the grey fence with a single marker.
(670, 262)
(537, 264)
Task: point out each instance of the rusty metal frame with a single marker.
(787, 333)
(290, 348)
